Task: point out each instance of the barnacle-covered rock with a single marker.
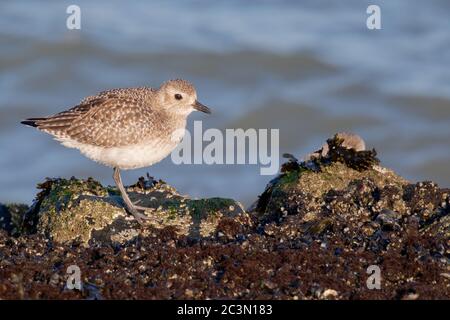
(313, 234)
(345, 194)
(11, 216)
(85, 211)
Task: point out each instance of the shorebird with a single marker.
(126, 128)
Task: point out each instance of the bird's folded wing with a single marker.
(59, 123)
(105, 121)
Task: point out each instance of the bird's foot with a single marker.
(134, 210)
(140, 208)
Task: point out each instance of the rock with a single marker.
(5, 219)
(329, 293)
(313, 234)
(410, 296)
(360, 205)
(388, 219)
(85, 211)
(11, 216)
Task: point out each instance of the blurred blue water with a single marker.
(310, 68)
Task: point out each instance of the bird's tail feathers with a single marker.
(32, 122)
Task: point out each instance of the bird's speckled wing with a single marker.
(136, 93)
(106, 120)
(116, 121)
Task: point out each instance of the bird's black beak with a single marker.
(200, 107)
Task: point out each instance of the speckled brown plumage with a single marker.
(126, 128)
(111, 118)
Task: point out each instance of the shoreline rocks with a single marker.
(85, 211)
(312, 234)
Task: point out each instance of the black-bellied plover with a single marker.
(126, 128)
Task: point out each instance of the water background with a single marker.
(309, 68)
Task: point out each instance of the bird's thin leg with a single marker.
(130, 206)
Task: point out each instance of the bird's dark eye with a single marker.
(178, 96)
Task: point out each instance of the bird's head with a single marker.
(179, 96)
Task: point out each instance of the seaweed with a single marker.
(358, 160)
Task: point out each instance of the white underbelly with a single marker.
(125, 157)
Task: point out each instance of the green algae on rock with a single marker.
(71, 209)
(85, 211)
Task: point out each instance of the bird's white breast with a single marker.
(126, 157)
